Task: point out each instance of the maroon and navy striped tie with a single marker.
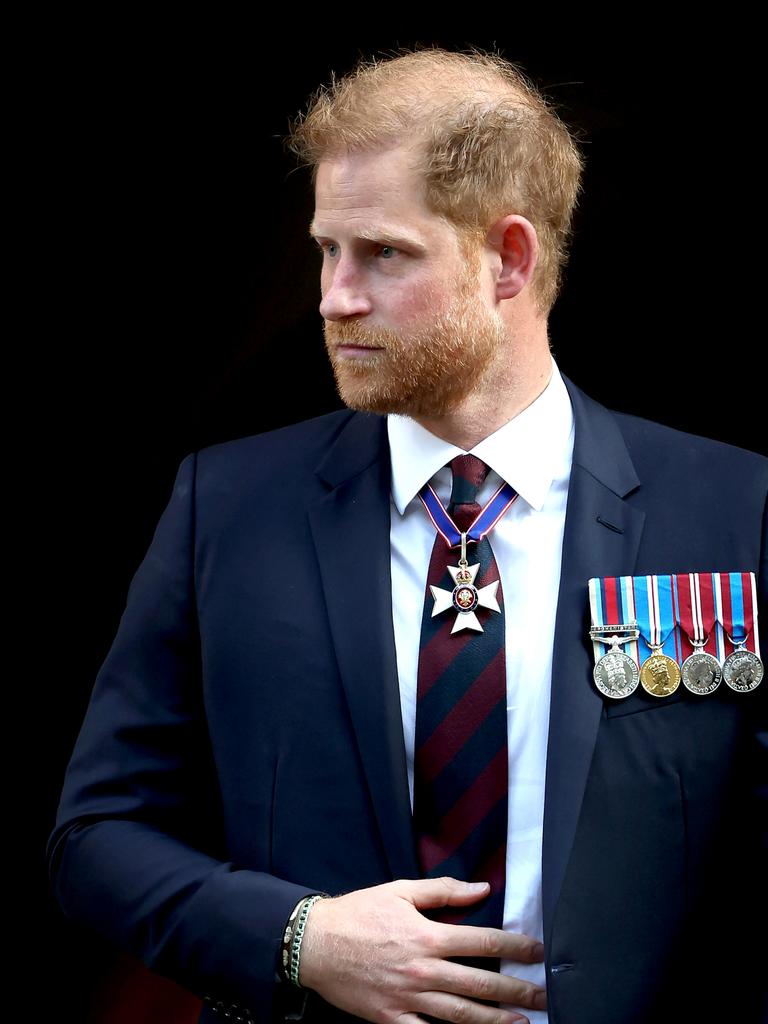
(460, 763)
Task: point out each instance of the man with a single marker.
(285, 706)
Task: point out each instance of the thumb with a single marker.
(426, 893)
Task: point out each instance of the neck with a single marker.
(499, 398)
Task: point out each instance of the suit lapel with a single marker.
(350, 526)
(602, 535)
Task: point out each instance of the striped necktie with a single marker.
(460, 764)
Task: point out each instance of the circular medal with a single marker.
(660, 675)
(616, 675)
(464, 597)
(701, 673)
(742, 671)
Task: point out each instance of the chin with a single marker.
(401, 405)
(370, 403)
(369, 392)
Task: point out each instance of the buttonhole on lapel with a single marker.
(559, 968)
(604, 522)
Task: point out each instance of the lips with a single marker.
(348, 340)
(365, 348)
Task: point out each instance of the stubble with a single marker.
(425, 371)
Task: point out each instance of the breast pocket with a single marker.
(641, 701)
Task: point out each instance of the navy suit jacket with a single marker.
(243, 745)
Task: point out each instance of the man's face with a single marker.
(408, 325)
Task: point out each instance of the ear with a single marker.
(515, 245)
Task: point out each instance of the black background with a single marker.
(171, 297)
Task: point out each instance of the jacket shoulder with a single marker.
(285, 450)
(659, 447)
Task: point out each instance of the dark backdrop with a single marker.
(174, 299)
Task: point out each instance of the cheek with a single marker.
(420, 299)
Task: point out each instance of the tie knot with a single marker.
(469, 472)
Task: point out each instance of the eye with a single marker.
(328, 247)
(387, 251)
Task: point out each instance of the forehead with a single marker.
(374, 193)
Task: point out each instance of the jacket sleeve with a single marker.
(138, 852)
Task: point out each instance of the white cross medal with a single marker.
(465, 596)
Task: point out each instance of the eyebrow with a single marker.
(381, 234)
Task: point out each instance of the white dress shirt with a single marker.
(532, 452)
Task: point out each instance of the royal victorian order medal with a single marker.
(466, 598)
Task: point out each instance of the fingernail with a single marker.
(540, 1000)
(538, 950)
(477, 886)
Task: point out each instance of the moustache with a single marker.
(358, 335)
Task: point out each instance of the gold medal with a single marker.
(659, 675)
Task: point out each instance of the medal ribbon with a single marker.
(696, 610)
(612, 602)
(656, 613)
(483, 523)
(738, 608)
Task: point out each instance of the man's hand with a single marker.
(372, 953)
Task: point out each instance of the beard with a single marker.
(424, 371)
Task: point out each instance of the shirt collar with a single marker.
(526, 452)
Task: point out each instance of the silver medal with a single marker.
(701, 672)
(742, 670)
(616, 675)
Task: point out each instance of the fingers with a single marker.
(428, 893)
(468, 940)
(407, 956)
(462, 1011)
(478, 984)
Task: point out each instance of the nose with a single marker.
(343, 294)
